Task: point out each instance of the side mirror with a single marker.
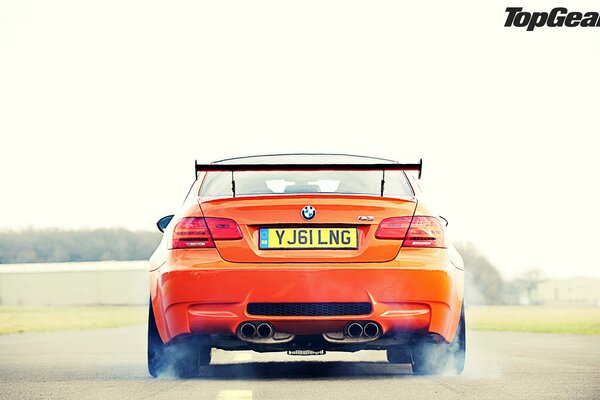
(164, 222)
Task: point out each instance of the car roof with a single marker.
(305, 158)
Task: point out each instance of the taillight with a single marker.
(425, 232)
(196, 232)
(393, 228)
(420, 232)
(223, 229)
(191, 233)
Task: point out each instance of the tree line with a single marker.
(484, 283)
(57, 245)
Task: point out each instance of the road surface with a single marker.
(110, 364)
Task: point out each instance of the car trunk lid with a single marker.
(340, 214)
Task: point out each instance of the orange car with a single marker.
(305, 253)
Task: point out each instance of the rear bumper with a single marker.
(212, 298)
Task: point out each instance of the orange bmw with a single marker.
(305, 253)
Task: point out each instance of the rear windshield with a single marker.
(251, 183)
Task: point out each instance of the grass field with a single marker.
(577, 320)
(37, 319)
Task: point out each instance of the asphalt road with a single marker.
(110, 364)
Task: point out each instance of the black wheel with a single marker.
(204, 355)
(398, 355)
(156, 348)
(181, 357)
(430, 358)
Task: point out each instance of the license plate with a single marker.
(308, 238)
(306, 352)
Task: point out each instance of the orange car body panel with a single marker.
(198, 291)
(252, 213)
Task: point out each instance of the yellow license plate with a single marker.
(308, 238)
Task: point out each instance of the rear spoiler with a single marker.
(308, 167)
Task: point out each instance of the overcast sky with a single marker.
(104, 106)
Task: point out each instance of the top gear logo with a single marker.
(558, 17)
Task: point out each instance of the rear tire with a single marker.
(398, 355)
(156, 348)
(430, 358)
(184, 359)
(181, 357)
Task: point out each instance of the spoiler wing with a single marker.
(310, 167)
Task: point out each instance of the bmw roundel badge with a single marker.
(308, 212)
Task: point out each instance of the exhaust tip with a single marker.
(354, 330)
(264, 330)
(248, 330)
(371, 329)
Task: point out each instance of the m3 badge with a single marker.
(365, 218)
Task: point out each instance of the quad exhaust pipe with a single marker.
(371, 330)
(248, 330)
(264, 330)
(260, 330)
(354, 330)
(362, 329)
